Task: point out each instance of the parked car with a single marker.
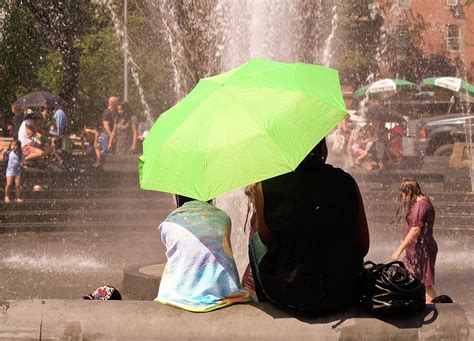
(439, 133)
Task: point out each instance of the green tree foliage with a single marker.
(71, 48)
(151, 53)
(100, 76)
(404, 52)
(22, 54)
(63, 24)
(359, 41)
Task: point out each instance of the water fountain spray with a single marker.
(327, 52)
(119, 31)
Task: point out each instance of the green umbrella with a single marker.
(385, 87)
(252, 123)
(460, 87)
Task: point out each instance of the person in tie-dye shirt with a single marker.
(200, 274)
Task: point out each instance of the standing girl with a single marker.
(419, 244)
(126, 127)
(14, 160)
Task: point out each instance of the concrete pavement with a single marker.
(93, 320)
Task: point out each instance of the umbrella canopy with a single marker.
(38, 99)
(252, 123)
(385, 87)
(460, 87)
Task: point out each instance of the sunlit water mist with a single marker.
(259, 29)
(327, 52)
(172, 32)
(451, 256)
(234, 32)
(53, 263)
(133, 66)
(466, 108)
(211, 37)
(235, 205)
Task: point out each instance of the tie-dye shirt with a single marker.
(200, 274)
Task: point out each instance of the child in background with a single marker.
(14, 160)
(418, 242)
(92, 137)
(358, 150)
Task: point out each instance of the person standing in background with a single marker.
(108, 124)
(418, 242)
(60, 121)
(126, 129)
(16, 121)
(13, 158)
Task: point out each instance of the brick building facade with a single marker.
(449, 28)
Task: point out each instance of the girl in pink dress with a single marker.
(418, 242)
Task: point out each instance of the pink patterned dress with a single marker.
(420, 256)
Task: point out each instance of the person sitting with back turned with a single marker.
(312, 237)
(200, 274)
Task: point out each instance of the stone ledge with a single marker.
(79, 319)
(141, 281)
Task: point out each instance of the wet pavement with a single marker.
(454, 271)
(71, 264)
(76, 236)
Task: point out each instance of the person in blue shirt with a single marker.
(13, 157)
(60, 121)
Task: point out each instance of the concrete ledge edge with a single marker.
(79, 319)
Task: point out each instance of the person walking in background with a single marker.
(108, 124)
(418, 242)
(126, 130)
(13, 157)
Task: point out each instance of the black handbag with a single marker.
(391, 288)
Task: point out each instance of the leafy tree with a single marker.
(72, 49)
(405, 55)
(22, 54)
(100, 76)
(358, 51)
(63, 23)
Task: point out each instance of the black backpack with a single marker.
(391, 288)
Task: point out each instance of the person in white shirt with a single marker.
(31, 147)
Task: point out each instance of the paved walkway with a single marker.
(77, 319)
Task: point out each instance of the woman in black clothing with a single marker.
(312, 237)
(126, 130)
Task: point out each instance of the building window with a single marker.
(405, 4)
(364, 9)
(452, 3)
(453, 37)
